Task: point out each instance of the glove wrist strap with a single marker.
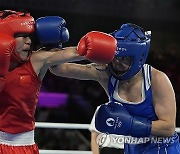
(141, 127)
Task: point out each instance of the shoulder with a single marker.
(159, 76)
(160, 82)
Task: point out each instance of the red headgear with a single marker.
(12, 22)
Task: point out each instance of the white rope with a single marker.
(61, 125)
(64, 152)
(178, 129)
(69, 126)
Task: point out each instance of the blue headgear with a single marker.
(132, 42)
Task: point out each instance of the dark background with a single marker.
(162, 17)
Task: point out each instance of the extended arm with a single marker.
(95, 46)
(56, 56)
(78, 71)
(51, 32)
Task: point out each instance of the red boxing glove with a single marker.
(7, 45)
(97, 47)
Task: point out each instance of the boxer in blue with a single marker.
(142, 103)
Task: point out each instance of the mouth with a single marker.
(26, 50)
(120, 72)
(121, 69)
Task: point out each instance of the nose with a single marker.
(117, 60)
(28, 40)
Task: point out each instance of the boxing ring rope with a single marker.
(61, 125)
(67, 126)
(64, 152)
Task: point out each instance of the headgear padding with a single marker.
(12, 22)
(132, 42)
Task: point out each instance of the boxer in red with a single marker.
(22, 72)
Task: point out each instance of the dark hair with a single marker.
(6, 13)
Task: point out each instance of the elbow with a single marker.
(171, 131)
(49, 62)
(53, 69)
(163, 128)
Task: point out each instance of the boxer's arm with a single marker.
(100, 46)
(94, 145)
(94, 135)
(44, 59)
(51, 32)
(164, 103)
(91, 71)
(68, 54)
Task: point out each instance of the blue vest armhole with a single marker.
(110, 86)
(150, 73)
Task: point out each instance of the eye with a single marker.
(124, 58)
(21, 35)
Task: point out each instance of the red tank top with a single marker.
(18, 100)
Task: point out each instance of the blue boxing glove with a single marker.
(51, 31)
(113, 118)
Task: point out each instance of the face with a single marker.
(121, 65)
(23, 44)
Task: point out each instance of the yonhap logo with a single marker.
(103, 140)
(109, 140)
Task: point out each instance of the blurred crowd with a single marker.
(59, 139)
(84, 97)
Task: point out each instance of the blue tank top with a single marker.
(145, 107)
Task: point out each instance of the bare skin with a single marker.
(94, 145)
(42, 60)
(131, 90)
